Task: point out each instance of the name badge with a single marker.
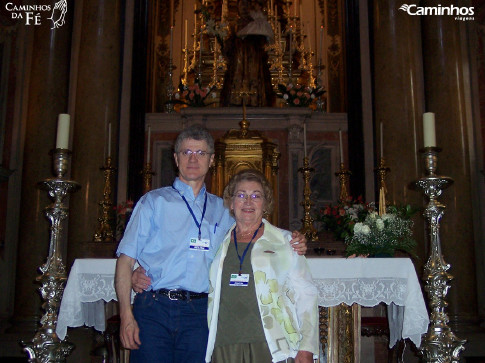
(239, 280)
(199, 244)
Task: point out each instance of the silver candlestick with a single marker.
(439, 344)
(46, 345)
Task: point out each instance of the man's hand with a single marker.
(130, 333)
(298, 242)
(304, 357)
(139, 280)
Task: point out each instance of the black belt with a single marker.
(175, 294)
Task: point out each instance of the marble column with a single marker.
(97, 92)
(398, 104)
(447, 85)
(47, 97)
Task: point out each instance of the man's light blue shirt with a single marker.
(159, 232)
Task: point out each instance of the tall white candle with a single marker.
(171, 12)
(171, 42)
(186, 30)
(200, 49)
(429, 129)
(279, 29)
(341, 147)
(105, 130)
(109, 139)
(195, 26)
(382, 141)
(224, 10)
(304, 139)
(321, 47)
(63, 123)
(291, 53)
(149, 142)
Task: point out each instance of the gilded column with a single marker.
(47, 97)
(398, 102)
(446, 62)
(96, 105)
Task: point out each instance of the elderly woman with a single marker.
(262, 302)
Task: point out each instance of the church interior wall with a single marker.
(323, 136)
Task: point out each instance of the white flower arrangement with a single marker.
(383, 235)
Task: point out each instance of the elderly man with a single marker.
(174, 233)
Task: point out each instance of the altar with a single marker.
(282, 127)
(359, 281)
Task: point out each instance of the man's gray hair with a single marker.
(195, 132)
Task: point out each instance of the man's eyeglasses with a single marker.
(198, 154)
(255, 197)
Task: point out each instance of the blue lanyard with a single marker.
(192, 212)
(241, 259)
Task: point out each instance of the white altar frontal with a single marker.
(368, 282)
(363, 281)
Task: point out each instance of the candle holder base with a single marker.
(44, 349)
(147, 174)
(344, 176)
(60, 161)
(430, 154)
(104, 231)
(382, 171)
(308, 229)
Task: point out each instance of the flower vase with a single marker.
(281, 103)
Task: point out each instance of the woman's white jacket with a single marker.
(286, 295)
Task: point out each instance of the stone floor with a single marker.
(373, 349)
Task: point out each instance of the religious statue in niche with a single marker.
(248, 69)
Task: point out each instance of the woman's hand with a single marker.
(298, 242)
(304, 357)
(355, 256)
(139, 280)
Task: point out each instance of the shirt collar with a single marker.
(186, 190)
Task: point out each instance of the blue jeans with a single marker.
(170, 330)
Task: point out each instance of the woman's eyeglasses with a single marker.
(255, 197)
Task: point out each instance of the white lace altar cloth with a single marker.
(365, 281)
(370, 281)
(89, 286)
